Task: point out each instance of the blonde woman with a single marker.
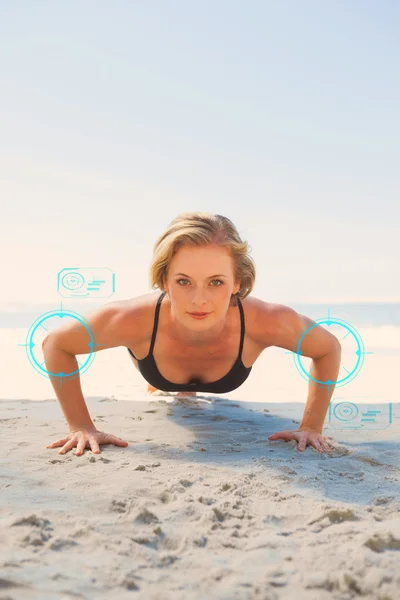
(200, 331)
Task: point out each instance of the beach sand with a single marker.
(199, 505)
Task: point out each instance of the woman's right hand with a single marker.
(86, 438)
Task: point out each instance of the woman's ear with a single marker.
(165, 286)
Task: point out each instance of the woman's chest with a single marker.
(206, 363)
(203, 363)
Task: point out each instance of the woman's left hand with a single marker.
(304, 437)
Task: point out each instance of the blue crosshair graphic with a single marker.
(32, 347)
(358, 355)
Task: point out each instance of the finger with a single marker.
(331, 442)
(67, 446)
(326, 446)
(328, 442)
(302, 441)
(284, 435)
(317, 445)
(94, 446)
(81, 446)
(301, 445)
(117, 441)
(323, 445)
(57, 443)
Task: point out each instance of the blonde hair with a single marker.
(201, 229)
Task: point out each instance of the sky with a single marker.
(283, 116)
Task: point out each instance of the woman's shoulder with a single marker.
(137, 315)
(257, 307)
(271, 321)
(261, 317)
(140, 304)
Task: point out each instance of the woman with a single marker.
(203, 332)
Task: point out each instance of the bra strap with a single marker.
(241, 327)
(153, 336)
(130, 352)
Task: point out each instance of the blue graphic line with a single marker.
(93, 289)
(346, 370)
(41, 324)
(373, 412)
(368, 420)
(113, 282)
(348, 333)
(390, 412)
(97, 281)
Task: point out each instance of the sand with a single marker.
(199, 505)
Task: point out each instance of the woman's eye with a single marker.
(219, 280)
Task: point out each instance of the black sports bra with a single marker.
(232, 380)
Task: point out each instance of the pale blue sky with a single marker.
(284, 116)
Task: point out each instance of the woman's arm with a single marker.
(281, 326)
(324, 368)
(325, 350)
(109, 327)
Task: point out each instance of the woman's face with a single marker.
(201, 279)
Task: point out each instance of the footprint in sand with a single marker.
(40, 533)
(62, 544)
(381, 542)
(147, 517)
(333, 516)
